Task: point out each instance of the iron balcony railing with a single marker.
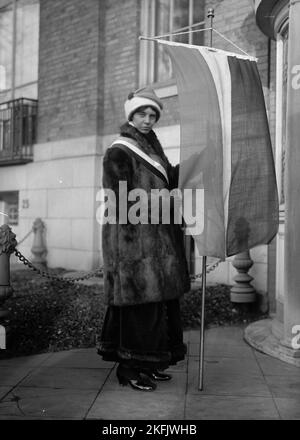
(18, 120)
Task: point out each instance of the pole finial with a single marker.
(210, 13)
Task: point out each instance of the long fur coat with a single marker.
(143, 263)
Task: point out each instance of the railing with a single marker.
(18, 119)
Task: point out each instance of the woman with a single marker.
(145, 270)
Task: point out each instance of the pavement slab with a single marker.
(200, 407)
(4, 391)
(72, 378)
(41, 403)
(25, 361)
(214, 335)
(288, 407)
(222, 350)
(225, 376)
(272, 366)
(11, 375)
(88, 358)
(125, 403)
(241, 385)
(284, 386)
(227, 366)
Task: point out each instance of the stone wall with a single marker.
(70, 68)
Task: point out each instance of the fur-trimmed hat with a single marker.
(140, 98)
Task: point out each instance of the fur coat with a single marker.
(143, 263)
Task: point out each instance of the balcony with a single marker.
(18, 120)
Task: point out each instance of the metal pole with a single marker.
(210, 14)
(201, 350)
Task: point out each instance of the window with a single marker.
(17, 130)
(9, 207)
(19, 36)
(162, 17)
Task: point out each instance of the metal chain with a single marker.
(94, 273)
(43, 273)
(208, 270)
(24, 238)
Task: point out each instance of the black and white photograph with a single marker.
(149, 214)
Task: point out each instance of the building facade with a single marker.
(66, 68)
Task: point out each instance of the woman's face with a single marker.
(144, 119)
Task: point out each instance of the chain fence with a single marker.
(209, 268)
(26, 236)
(43, 273)
(96, 273)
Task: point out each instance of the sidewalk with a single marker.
(239, 383)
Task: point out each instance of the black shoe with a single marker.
(158, 375)
(136, 380)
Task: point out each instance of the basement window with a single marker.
(9, 208)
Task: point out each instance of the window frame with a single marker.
(10, 92)
(9, 207)
(168, 87)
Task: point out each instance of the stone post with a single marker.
(7, 247)
(242, 291)
(39, 249)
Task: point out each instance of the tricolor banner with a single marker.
(225, 148)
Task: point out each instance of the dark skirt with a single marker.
(143, 336)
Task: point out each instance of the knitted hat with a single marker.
(140, 98)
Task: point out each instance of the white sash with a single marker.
(143, 155)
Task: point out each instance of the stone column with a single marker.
(292, 182)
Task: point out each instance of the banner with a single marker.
(225, 148)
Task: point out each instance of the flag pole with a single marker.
(210, 14)
(201, 349)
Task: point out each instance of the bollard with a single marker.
(8, 244)
(39, 249)
(242, 291)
